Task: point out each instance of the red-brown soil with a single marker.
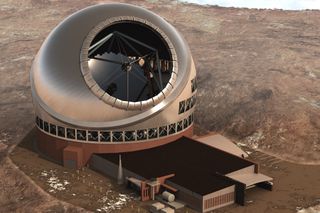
(258, 77)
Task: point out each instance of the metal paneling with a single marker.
(57, 82)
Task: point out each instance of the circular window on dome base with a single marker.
(128, 63)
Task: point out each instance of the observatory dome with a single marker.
(110, 77)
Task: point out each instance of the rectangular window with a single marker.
(130, 135)
(163, 131)
(188, 104)
(179, 126)
(185, 123)
(142, 134)
(61, 131)
(46, 126)
(71, 133)
(193, 101)
(105, 136)
(53, 129)
(190, 118)
(93, 136)
(81, 135)
(181, 107)
(41, 123)
(117, 136)
(172, 128)
(153, 133)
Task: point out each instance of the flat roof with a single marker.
(220, 142)
(196, 165)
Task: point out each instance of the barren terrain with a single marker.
(258, 77)
(95, 192)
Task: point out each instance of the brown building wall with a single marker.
(192, 199)
(53, 147)
(218, 199)
(72, 157)
(108, 168)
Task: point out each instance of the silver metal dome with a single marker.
(62, 82)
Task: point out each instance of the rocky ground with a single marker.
(86, 188)
(258, 77)
(295, 186)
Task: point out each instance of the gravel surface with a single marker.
(258, 77)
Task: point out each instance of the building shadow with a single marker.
(29, 142)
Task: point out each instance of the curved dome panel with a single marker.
(70, 87)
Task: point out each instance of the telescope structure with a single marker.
(112, 78)
(114, 87)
